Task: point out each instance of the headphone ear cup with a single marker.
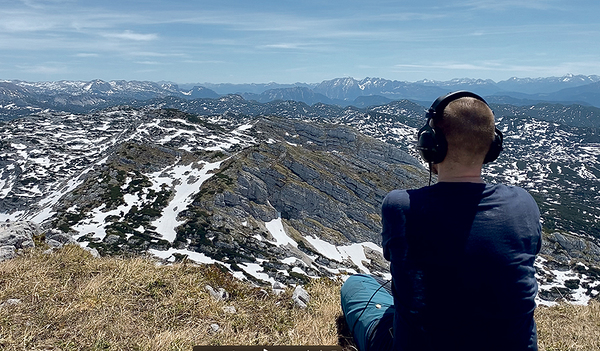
(495, 148)
(431, 145)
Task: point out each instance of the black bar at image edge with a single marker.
(267, 348)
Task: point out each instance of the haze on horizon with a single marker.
(288, 41)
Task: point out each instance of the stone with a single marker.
(111, 239)
(59, 236)
(229, 309)
(53, 243)
(219, 294)
(278, 288)
(300, 297)
(27, 244)
(7, 252)
(92, 251)
(19, 234)
(10, 302)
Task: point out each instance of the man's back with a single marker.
(462, 265)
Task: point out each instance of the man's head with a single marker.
(468, 125)
(460, 128)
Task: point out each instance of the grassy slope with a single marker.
(72, 301)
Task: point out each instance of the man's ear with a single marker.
(433, 167)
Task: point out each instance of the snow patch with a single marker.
(275, 227)
(197, 257)
(354, 252)
(186, 181)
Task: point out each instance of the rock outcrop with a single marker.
(15, 236)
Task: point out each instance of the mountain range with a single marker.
(276, 191)
(19, 98)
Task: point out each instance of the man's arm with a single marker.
(393, 221)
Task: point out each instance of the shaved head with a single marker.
(468, 125)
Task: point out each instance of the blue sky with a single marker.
(297, 41)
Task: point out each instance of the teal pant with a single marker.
(369, 311)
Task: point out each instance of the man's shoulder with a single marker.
(401, 198)
(400, 195)
(514, 199)
(396, 198)
(510, 191)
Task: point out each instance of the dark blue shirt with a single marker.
(462, 259)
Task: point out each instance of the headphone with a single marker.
(432, 144)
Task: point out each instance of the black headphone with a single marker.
(432, 144)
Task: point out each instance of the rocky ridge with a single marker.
(268, 194)
(271, 199)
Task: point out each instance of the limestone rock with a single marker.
(300, 297)
(18, 234)
(10, 302)
(229, 309)
(219, 294)
(57, 235)
(92, 251)
(7, 252)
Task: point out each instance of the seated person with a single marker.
(461, 251)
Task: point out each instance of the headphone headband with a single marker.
(437, 108)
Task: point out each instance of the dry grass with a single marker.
(72, 301)
(569, 327)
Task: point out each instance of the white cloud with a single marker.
(129, 35)
(510, 5)
(497, 68)
(16, 22)
(43, 69)
(86, 54)
(40, 4)
(149, 63)
(155, 54)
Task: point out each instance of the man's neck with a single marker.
(464, 179)
(453, 173)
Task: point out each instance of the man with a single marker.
(461, 251)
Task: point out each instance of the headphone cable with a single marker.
(430, 173)
(367, 304)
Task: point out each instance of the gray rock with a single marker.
(18, 234)
(27, 244)
(229, 309)
(219, 295)
(59, 236)
(92, 251)
(111, 239)
(7, 252)
(300, 297)
(278, 288)
(53, 243)
(564, 247)
(10, 302)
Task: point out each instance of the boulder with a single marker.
(300, 297)
(15, 236)
(219, 295)
(7, 252)
(19, 234)
(57, 235)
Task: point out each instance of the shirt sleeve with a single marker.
(393, 220)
